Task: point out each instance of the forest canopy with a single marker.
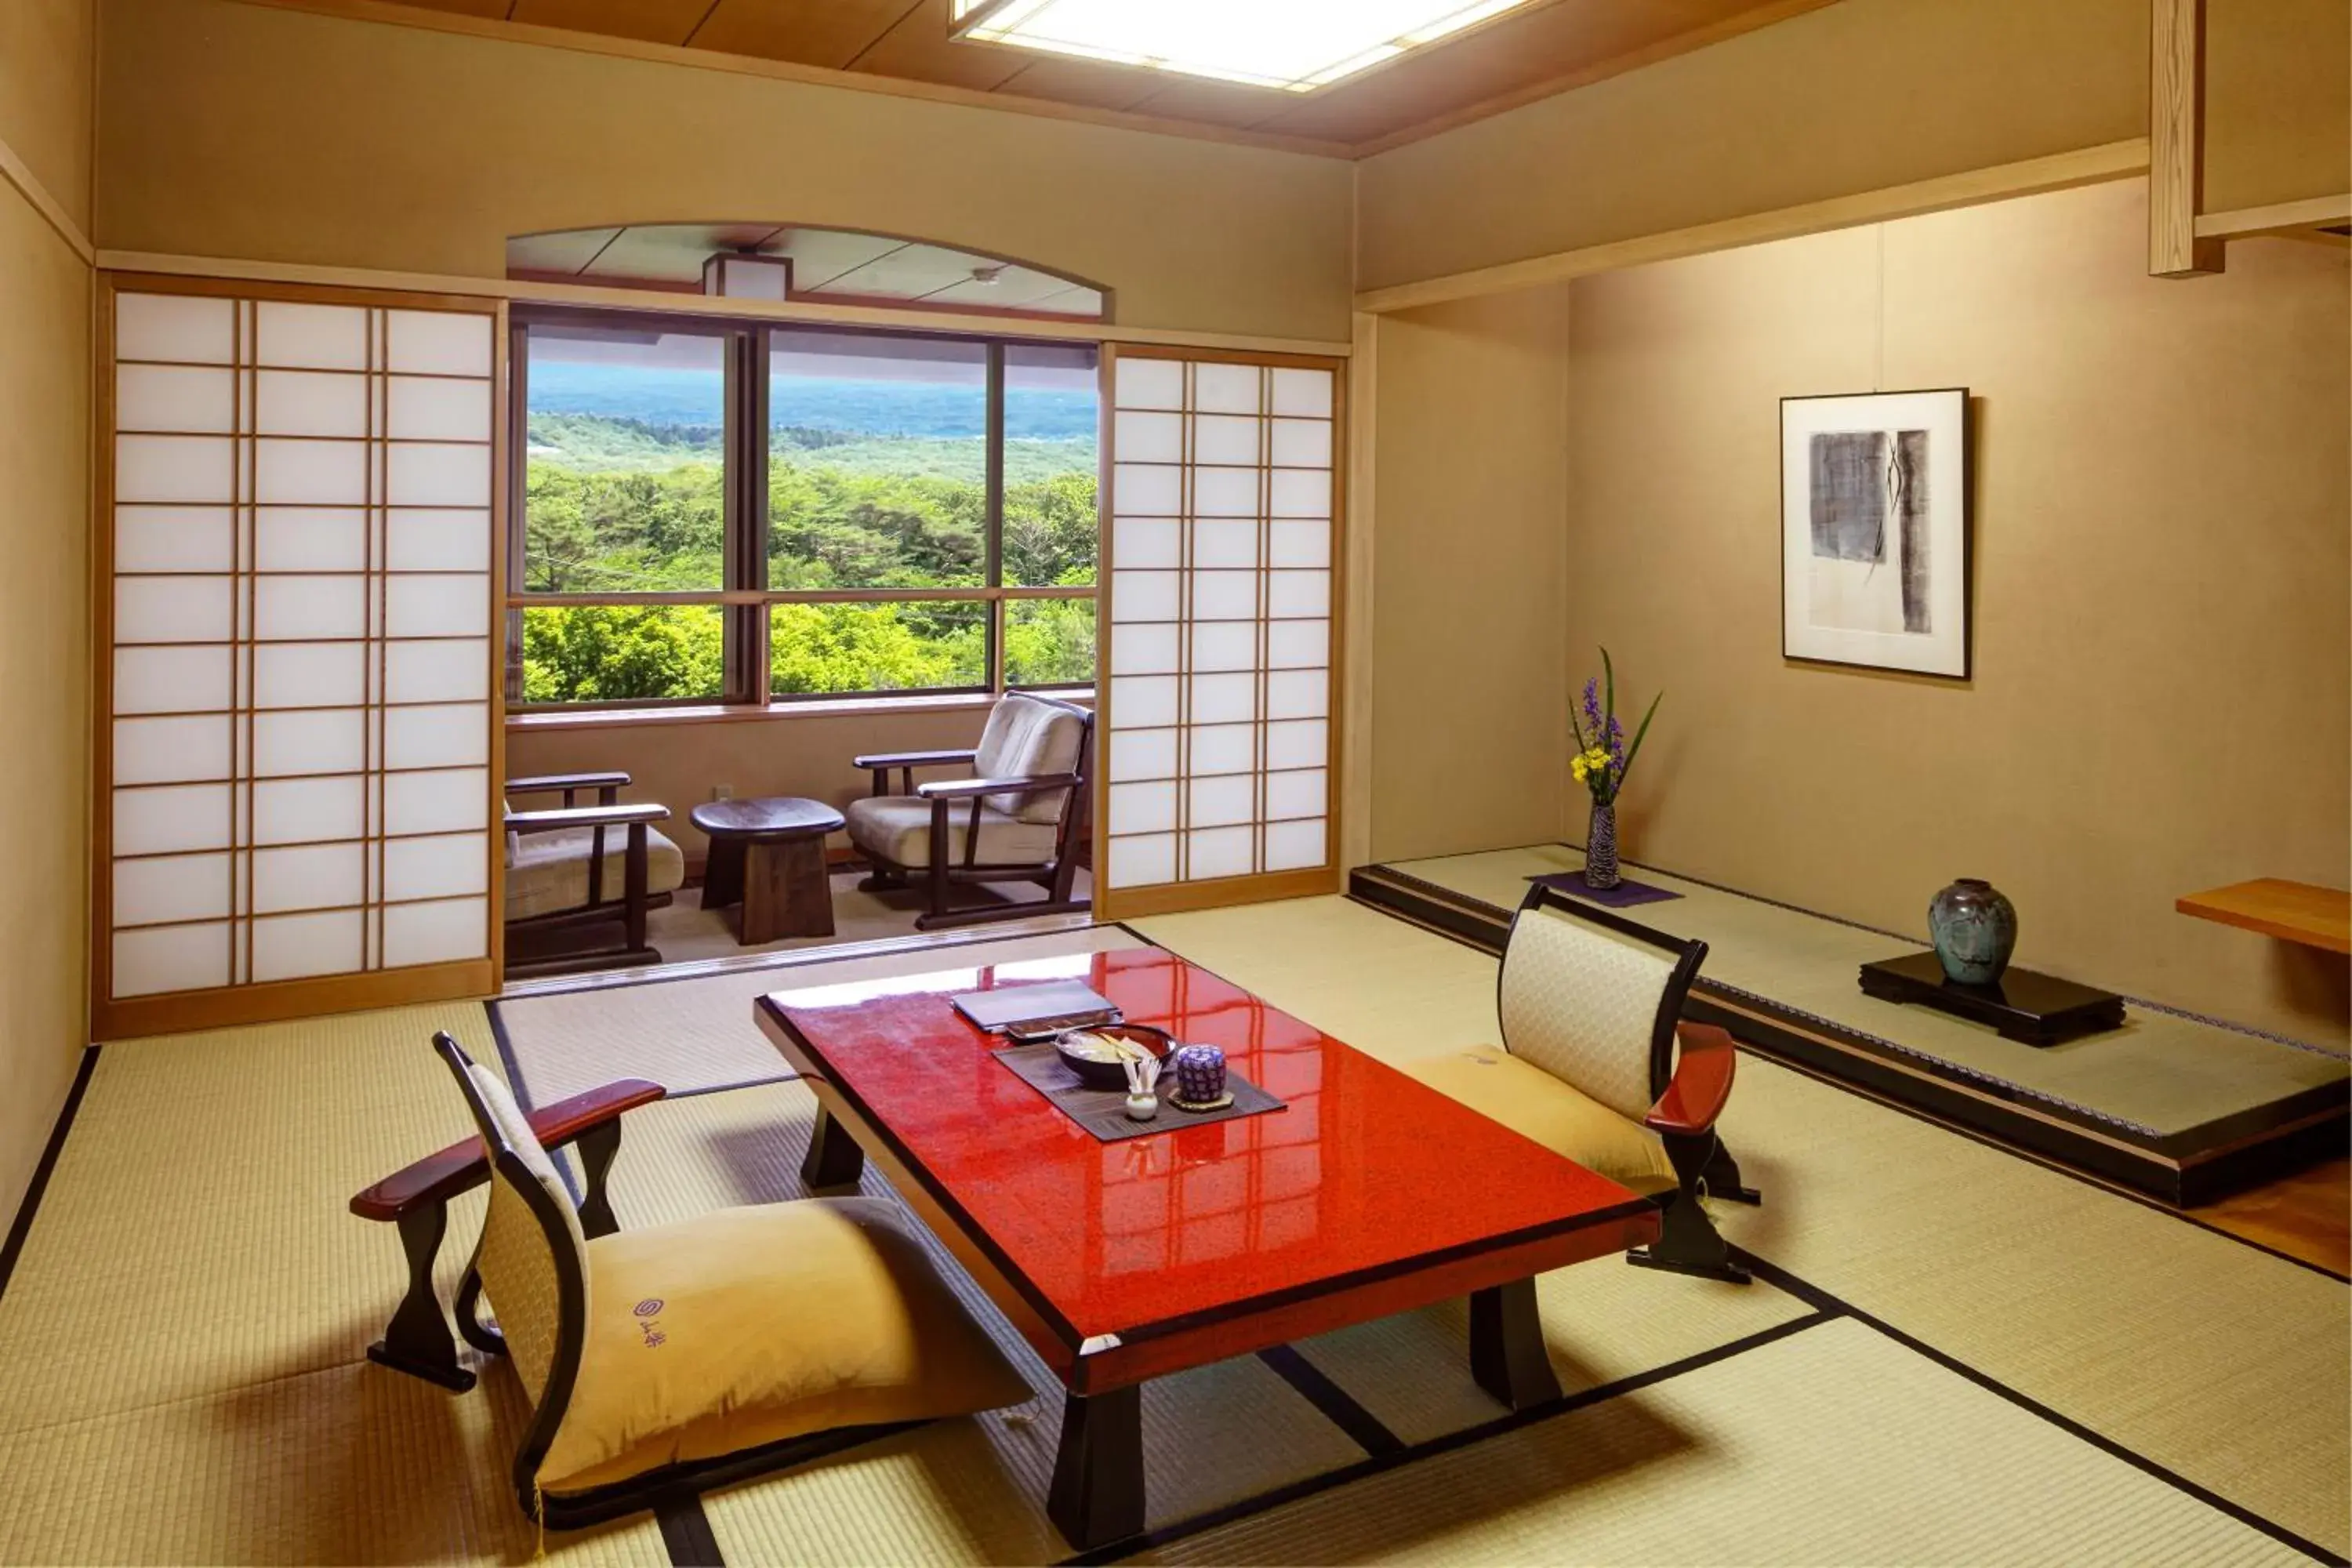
(621, 505)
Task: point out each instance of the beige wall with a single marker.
(45, 75)
(2163, 542)
(45, 303)
(1469, 617)
(797, 754)
(1854, 97)
(2278, 101)
(237, 130)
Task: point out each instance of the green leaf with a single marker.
(1635, 749)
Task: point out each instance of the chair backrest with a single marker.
(1594, 998)
(533, 1258)
(1027, 736)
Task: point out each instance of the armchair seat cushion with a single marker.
(548, 872)
(897, 828)
(1531, 1102)
(749, 1326)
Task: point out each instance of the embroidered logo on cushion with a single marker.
(648, 1313)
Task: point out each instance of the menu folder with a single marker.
(1034, 1012)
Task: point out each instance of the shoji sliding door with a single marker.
(1219, 631)
(298, 733)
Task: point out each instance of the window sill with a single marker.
(737, 713)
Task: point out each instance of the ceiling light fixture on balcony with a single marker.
(1294, 45)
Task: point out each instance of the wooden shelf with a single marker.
(2292, 912)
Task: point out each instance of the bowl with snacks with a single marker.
(1099, 1054)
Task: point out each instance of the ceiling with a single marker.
(1543, 47)
(828, 264)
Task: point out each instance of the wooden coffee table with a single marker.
(769, 856)
(1368, 1195)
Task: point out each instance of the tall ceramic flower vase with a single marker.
(1601, 847)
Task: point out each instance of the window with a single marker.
(743, 514)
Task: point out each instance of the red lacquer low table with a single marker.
(1367, 1194)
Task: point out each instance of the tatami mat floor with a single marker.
(1965, 1357)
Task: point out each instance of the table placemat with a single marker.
(1624, 895)
(1103, 1111)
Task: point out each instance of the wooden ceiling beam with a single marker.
(403, 15)
(887, 47)
(2176, 140)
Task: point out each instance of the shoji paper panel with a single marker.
(1217, 707)
(301, 726)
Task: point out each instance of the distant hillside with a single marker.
(595, 443)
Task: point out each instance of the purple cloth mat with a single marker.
(1624, 895)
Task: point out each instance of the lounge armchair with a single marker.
(1591, 1014)
(577, 871)
(1016, 821)
(706, 1351)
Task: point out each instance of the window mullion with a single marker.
(749, 539)
(995, 516)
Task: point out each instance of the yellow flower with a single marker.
(1576, 765)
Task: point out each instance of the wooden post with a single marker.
(2176, 140)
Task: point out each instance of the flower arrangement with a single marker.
(1602, 762)
(1602, 758)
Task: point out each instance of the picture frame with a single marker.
(1876, 525)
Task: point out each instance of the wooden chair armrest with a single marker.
(546, 783)
(913, 759)
(442, 1175)
(586, 817)
(1702, 1081)
(966, 789)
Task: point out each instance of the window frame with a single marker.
(745, 600)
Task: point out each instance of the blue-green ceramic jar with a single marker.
(1974, 929)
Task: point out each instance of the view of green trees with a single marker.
(618, 504)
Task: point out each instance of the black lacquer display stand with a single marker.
(2030, 1008)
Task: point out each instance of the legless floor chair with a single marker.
(688, 1356)
(1591, 1007)
(1017, 821)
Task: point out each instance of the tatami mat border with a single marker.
(1828, 1308)
(1942, 1065)
(1916, 1113)
(1833, 1306)
(1376, 1464)
(688, 1538)
(2165, 1007)
(21, 1226)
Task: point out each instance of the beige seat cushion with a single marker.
(897, 828)
(1026, 738)
(1531, 1102)
(548, 872)
(747, 1326)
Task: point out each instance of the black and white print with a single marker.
(1874, 521)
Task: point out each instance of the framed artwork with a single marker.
(1874, 530)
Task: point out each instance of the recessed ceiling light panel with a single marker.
(1293, 44)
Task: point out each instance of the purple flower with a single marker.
(1593, 703)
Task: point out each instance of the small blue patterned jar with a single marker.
(1200, 1073)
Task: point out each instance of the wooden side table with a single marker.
(769, 856)
(2290, 911)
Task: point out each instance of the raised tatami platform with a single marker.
(1950, 1355)
(2181, 1108)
